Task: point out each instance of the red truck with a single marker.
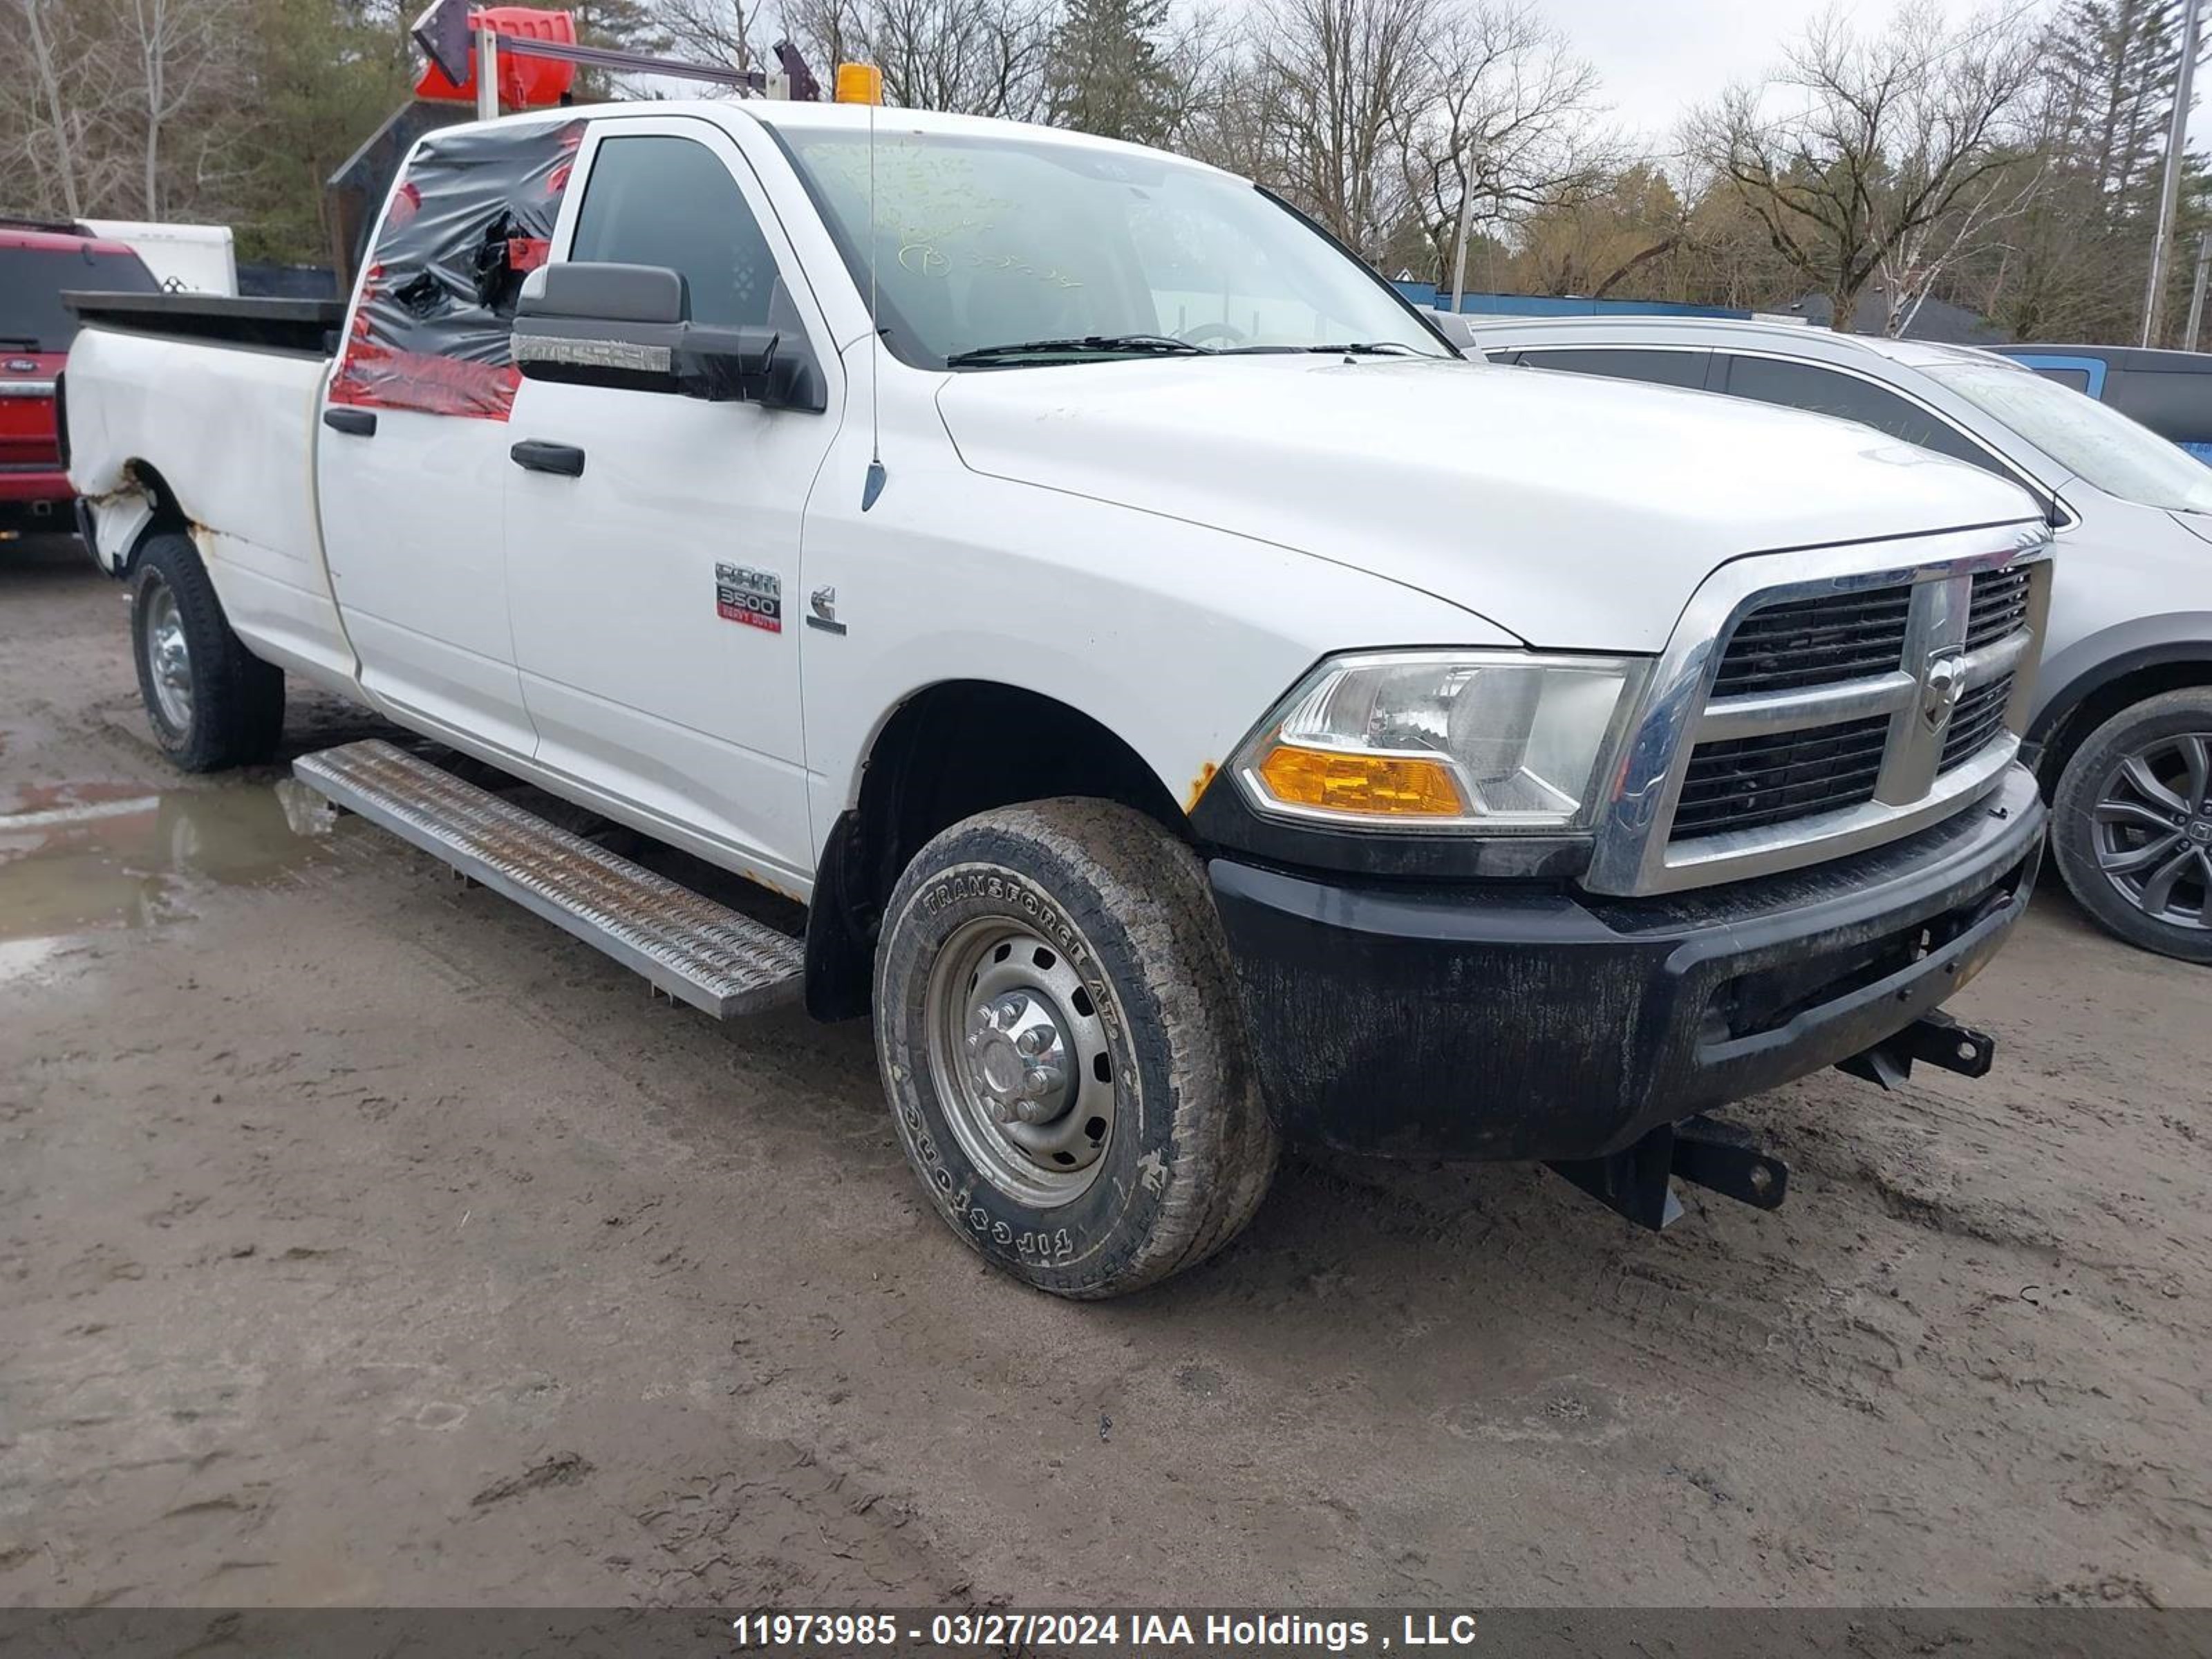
(39, 263)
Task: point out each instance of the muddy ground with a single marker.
(364, 1240)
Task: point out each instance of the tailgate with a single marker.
(27, 409)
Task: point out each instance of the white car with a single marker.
(1196, 707)
(2122, 713)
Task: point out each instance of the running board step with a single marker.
(689, 946)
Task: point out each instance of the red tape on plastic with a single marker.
(383, 377)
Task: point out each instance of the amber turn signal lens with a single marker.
(1373, 786)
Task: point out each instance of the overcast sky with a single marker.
(1657, 57)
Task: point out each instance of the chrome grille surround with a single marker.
(1634, 851)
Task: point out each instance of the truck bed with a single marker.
(219, 431)
(307, 327)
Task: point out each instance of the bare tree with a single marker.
(1508, 123)
(1918, 259)
(1333, 76)
(1228, 98)
(110, 94)
(828, 31)
(56, 147)
(168, 53)
(718, 31)
(970, 57)
(1881, 139)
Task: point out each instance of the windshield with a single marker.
(990, 240)
(34, 279)
(2099, 443)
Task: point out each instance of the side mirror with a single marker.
(630, 327)
(1455, 327)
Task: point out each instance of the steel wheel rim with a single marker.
(2151, 829)
(1003, 1006)
(168, 658)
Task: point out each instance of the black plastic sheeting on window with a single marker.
(473, 213)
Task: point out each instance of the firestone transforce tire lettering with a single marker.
(2131, 825)
(210, 702)
(1063, 1051)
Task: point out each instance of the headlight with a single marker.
(1497, 740)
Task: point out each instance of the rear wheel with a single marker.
(2133, 825)
(211, 702)
(1063, 1050)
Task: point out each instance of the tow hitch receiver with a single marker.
(1638, 1182)
(1936, 1038)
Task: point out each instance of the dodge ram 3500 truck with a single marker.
(1197, 709)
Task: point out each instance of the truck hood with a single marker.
(1574, 512)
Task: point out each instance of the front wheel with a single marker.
(211, 702)
(2132, 828)
(1062, 1047)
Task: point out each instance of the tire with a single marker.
(211, 703)
(1115, 977)
(2131, 824)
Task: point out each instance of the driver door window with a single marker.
(662, 201)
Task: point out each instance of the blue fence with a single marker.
(1543, 305)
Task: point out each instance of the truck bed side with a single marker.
(216, 440)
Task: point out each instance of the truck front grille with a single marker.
(1999, 607)
(1823, 706)
(1742, 783)
(1816, 703)
(1978, 718)
(1820, 642)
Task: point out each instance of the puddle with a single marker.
(84, 858)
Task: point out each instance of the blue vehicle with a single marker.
(2169, 392)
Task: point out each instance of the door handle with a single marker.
(361, 422)
(566, 459)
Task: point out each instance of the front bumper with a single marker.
(1496, 1020)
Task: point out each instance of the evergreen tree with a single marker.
(2113, 63)
(322, 75)
(2075, 264)
(1104, 74)
(621, 25)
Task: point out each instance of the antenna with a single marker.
(875, 484)
(864, 82)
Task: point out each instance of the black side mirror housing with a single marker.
(629, 327)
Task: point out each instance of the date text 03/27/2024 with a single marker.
(1002, 1629)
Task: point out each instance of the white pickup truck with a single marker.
(1197, 709)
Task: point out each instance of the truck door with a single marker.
(653, 540)
(411, 464)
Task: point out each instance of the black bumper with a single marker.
(1496, 1020)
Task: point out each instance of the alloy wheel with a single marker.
(2152, 829)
